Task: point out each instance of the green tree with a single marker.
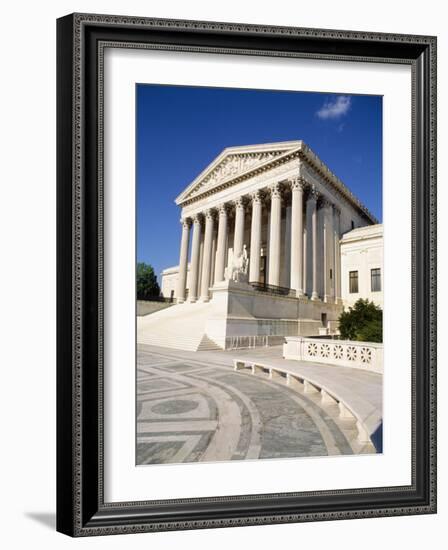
(147, 285)
(362, 322)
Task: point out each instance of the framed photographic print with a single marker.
(246, 274)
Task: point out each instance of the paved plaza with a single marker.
(192, 406)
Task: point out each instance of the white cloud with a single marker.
(335, 108)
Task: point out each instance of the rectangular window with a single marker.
(375, 279)
(353, 282)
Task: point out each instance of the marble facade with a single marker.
(362, 256)
(284, 206)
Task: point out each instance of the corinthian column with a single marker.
(255, 239)
(239, 227)
(305, 256)
(297, 186)
(183, 261)
(337, 255)
(194, 266)
(221, 245)
(275, 235)
(207, 257)
(328, 249)
(312, 201)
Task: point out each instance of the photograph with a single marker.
(259, 274)
(226, 334)
(246, 222)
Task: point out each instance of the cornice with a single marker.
(234, 180)
(301, 151)
(307, 154)
(363, 233)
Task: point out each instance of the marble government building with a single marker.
(270, 244)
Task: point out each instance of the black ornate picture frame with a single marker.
(81, 509)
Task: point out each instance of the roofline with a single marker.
(298, 148)
(363, 233)
(172, 269)
(236, 149)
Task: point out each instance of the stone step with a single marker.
(179, 342)
(180, 327)
(174, 343)
(207, 344)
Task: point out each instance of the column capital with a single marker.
(275, 190)
(297, 184)
(223, 209)
(313, 194)
(336, 210)
(239, 202)
(256, 196)
(324, 202)
(185, 222)
(197, 219)
(209, 214)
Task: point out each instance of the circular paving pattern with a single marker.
(175, 406)
(190, 411)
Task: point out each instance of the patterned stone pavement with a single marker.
(191, 410)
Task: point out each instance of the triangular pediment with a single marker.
(234, 162)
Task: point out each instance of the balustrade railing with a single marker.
(272, 289)
(347, 353)
(168, 300)
(244, 342)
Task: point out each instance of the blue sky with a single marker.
(181, 129)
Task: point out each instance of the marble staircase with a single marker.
(181, 326)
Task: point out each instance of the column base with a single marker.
(192, 300)
(315, 297)
(205, 298)
(180, 300)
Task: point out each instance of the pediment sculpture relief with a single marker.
(232, 166)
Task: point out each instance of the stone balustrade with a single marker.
(247, 342)
(346, 353)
